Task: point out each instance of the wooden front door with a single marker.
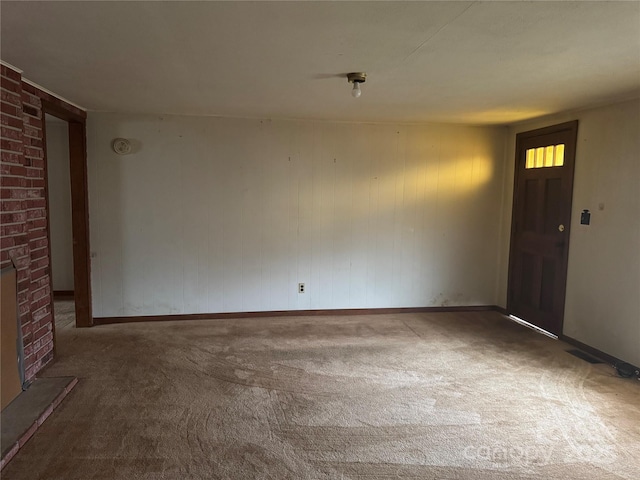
(540, 225)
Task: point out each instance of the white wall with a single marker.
(220, 215)
(603, 281)
(59, 185)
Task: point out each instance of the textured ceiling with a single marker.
(465, 62)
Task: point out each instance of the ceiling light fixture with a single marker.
(356, 78)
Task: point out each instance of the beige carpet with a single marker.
(446, 396)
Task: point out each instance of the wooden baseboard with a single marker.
(289, 313)
(501, 310)
(610, 359)
(63, 294)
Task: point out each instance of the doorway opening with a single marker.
(540, 227)
(70, 264)
(60, 230)
(59, 189)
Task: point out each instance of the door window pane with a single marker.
(543, 157)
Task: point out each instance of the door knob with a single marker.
(561, 228)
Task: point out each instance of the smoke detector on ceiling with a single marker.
(121, 146)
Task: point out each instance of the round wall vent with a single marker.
(121, 146)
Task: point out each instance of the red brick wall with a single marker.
(23, 211)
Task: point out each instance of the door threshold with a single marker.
(532, 326)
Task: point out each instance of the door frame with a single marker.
(571, 128)
(79, 209)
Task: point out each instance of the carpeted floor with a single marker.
(446, 396)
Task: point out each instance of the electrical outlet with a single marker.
(301, 288)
